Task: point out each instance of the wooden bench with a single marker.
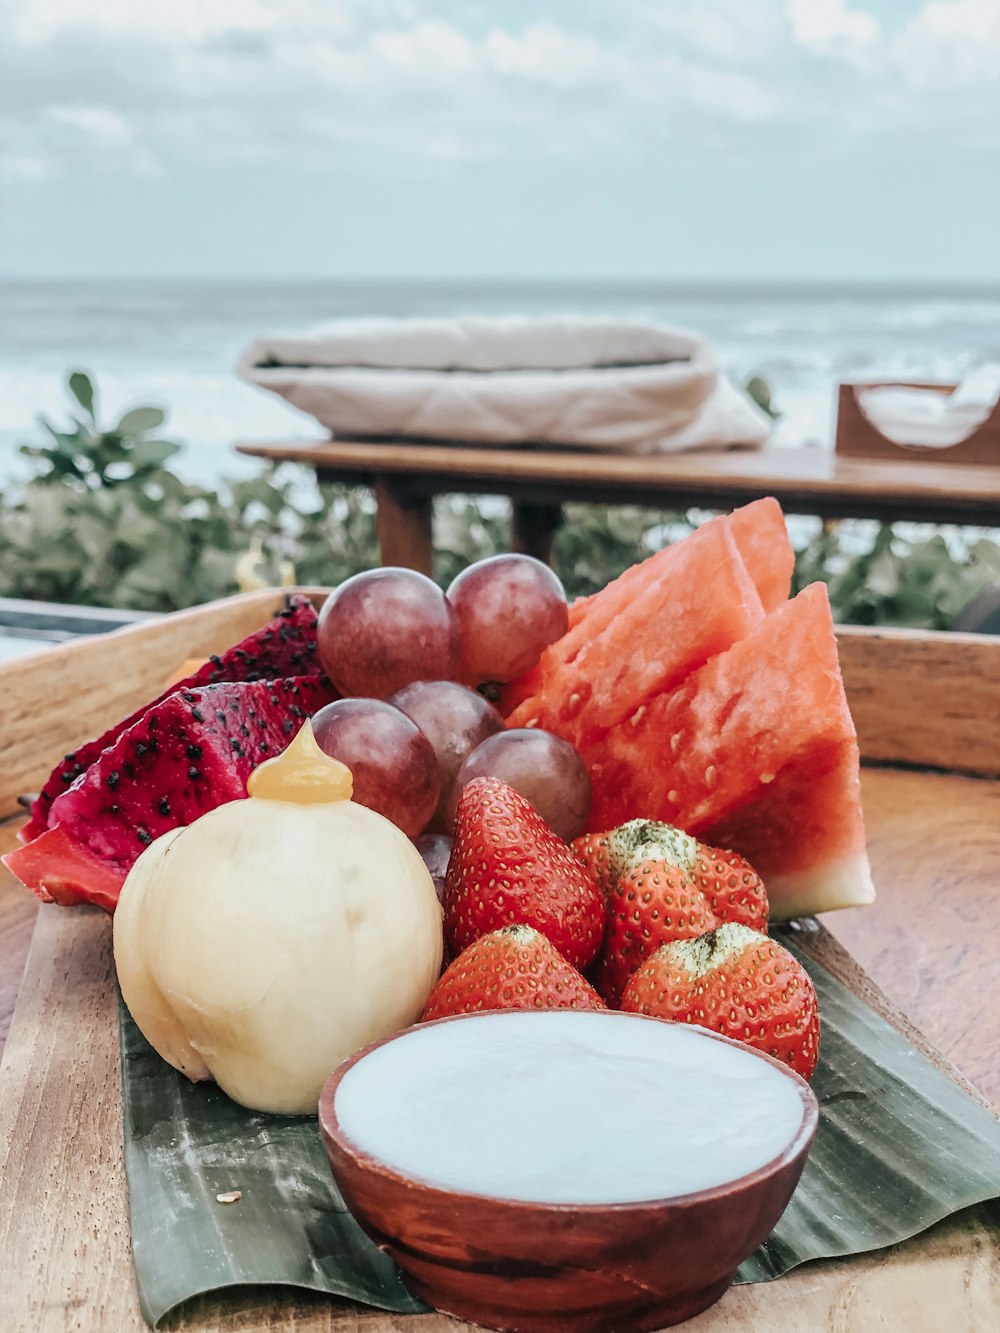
(405, 478)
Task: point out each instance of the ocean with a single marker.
(174, 343)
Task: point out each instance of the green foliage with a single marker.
(105, 522)
(759, 390)
(922, 582)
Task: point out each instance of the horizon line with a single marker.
(986, 285)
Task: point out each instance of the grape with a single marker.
(435, 848)
(382, 629)
(547, 771)
(509, 609)
(395, 771)
(453, 719)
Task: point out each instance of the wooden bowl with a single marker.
(539, 1268)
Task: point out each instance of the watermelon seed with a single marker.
(767, 777)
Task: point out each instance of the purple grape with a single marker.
(546, 770)
(435, 848)
(453, 719)
(380, 630)
(394, 767)
(509, 609)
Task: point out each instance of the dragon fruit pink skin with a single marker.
(186, 755)
(286, 646)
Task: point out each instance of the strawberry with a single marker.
(512, 968)
(738, 982)
(507, 867)
(660, 885)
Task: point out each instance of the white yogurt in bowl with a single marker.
(569, 1107)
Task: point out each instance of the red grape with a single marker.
(509, 609)
(382, 629)
(452, 718)
(546, 770)
(394, 767)
(435, 848)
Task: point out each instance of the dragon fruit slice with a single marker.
(286, 646)
(187, 754)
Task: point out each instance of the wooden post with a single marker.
(532, 528)
(403, 526)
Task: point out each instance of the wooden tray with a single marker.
(933, 940)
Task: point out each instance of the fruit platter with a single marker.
(522, 896)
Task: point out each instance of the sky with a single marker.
(632, 139)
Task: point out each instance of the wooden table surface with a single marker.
(807, 480)
(931, 941)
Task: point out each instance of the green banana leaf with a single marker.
(899, 1147)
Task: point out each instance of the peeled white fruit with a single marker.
(268, 941)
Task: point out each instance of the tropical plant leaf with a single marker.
(899, 1147)
(290, 1226)
(140, 419)
(82, 389)
(152, 453)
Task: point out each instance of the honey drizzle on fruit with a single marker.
(303, 774)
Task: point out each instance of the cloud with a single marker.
(950, 41)
(830, 28)
(319, 85)
(100, 124)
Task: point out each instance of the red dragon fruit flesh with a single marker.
(286, 646)
(186, 755)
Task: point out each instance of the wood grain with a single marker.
(923, 698)
(403, 525)
(810, 481)
(857, 436)
(931, 939)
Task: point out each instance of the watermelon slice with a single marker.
(701, 603)
(186, 755)
(760, 533)
(755, 751)
(286, 646)
(676, 573)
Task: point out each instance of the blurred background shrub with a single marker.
(103, 521)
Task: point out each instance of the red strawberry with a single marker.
(660, 885)
(738, 982)
(513, 968)
(734, 890)
(592, 849)
(507, 867)
(649, 905)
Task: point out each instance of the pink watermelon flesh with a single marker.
(760, 534)
(702, 603)
(186, 755)
(761, 538)
(755, 751)
(286, 646)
